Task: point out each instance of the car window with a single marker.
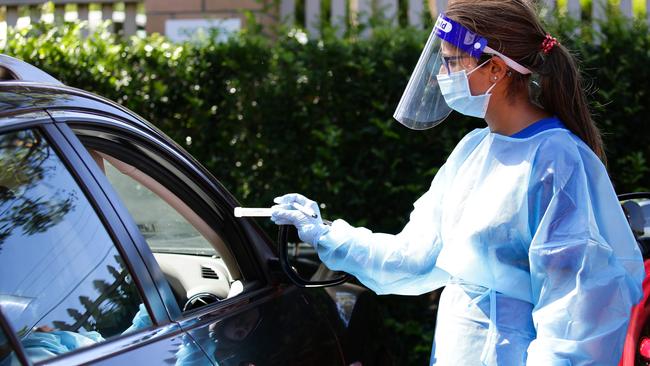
(158, 214)
(193, 256)
(63, 283)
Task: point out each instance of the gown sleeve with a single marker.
(405, 263)
(586, 269)
(397, 264)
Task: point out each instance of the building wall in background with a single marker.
(160, 11)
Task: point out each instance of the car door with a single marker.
(214, 273)
(72, 288)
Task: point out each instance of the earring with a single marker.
(495, 78)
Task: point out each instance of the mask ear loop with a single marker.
(478, 67)
(489, 91)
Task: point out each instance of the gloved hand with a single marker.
(309, 228)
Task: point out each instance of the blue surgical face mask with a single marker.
(455, 89)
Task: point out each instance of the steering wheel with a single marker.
(199, 300)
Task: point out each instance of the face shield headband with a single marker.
(450, 48)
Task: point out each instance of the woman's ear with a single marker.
(497, 69)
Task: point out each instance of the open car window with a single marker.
(167, 223)
(177, 223)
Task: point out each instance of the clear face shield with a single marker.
(450, 54)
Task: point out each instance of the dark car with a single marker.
(117, 247)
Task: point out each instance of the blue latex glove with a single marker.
(309, 228)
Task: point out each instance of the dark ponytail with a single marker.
(513, 28)
(562, 93)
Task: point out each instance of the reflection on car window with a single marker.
(64, 285)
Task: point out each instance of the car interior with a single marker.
(196, 262)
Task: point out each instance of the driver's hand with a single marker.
(310, 229)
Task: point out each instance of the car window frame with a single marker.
(242, 248)
(44, 124)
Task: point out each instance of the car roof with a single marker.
(25, 88)
(18, 97)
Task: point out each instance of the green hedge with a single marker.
(272, 117)
(269, 117)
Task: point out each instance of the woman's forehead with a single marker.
(449, 49)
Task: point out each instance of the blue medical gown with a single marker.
(540, 264)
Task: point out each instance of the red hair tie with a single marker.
(548, 43)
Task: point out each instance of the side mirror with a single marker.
(301, 263)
